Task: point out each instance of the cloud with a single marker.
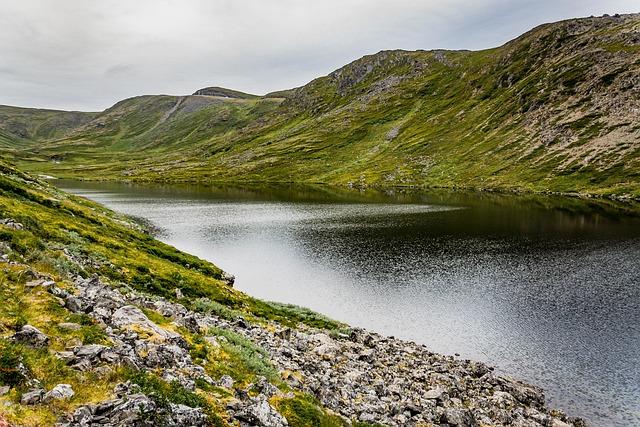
(80, 54)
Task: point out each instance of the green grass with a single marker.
(244, 358)
(303, 411)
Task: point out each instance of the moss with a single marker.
(303, 411)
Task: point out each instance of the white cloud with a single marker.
(80, 54)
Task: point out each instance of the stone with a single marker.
(213, 341)
(69, 326)
(31, 336)
(284, 333)
(228, 279)
(460, 417)
(130, 317)
(4, 390)
(59, 392)
(66, 356)
(367, 355)
(32, 397)
(89, 351)
(557, 423)
(11, 223)
(183, 415)
(434, 393)
(260, 413)
(226, 381)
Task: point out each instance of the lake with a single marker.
(546, 289)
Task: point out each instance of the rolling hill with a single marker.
(557, 109)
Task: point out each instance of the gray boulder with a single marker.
(32, 397)
(259, 412)
(59, 392)
(31, 336)
(131, 317)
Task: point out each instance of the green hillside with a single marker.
(557, 109)
(20, 126)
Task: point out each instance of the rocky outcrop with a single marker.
(359, 375)
(133, 408)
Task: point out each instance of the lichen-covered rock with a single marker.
(258, 412)
(132, 317)
(32, 397)
(31, 336)
(134, 410)
(59, 392)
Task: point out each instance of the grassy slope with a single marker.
(32, 124)
(64, 236)
(555, 110)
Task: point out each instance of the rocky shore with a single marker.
(359, 375)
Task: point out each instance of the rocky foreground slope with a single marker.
(103, 325)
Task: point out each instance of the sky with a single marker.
(88, 54)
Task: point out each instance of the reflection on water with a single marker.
(546, 289)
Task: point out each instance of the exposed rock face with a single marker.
(361, 375)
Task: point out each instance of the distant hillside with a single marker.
(30, 124)
(557, 109)
(225, 93)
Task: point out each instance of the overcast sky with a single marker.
(88, 54)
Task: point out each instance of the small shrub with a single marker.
(163, 392)
(206, 306)
(10, 360)
(93, 335)
(302, 411)
(253, 359)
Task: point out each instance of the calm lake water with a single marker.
(545, 289)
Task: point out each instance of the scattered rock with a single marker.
(227, 278)
(361, 375)
(39, 282)
(460, 417)
(434, 393)
(260, 413)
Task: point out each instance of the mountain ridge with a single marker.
(554, 110)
